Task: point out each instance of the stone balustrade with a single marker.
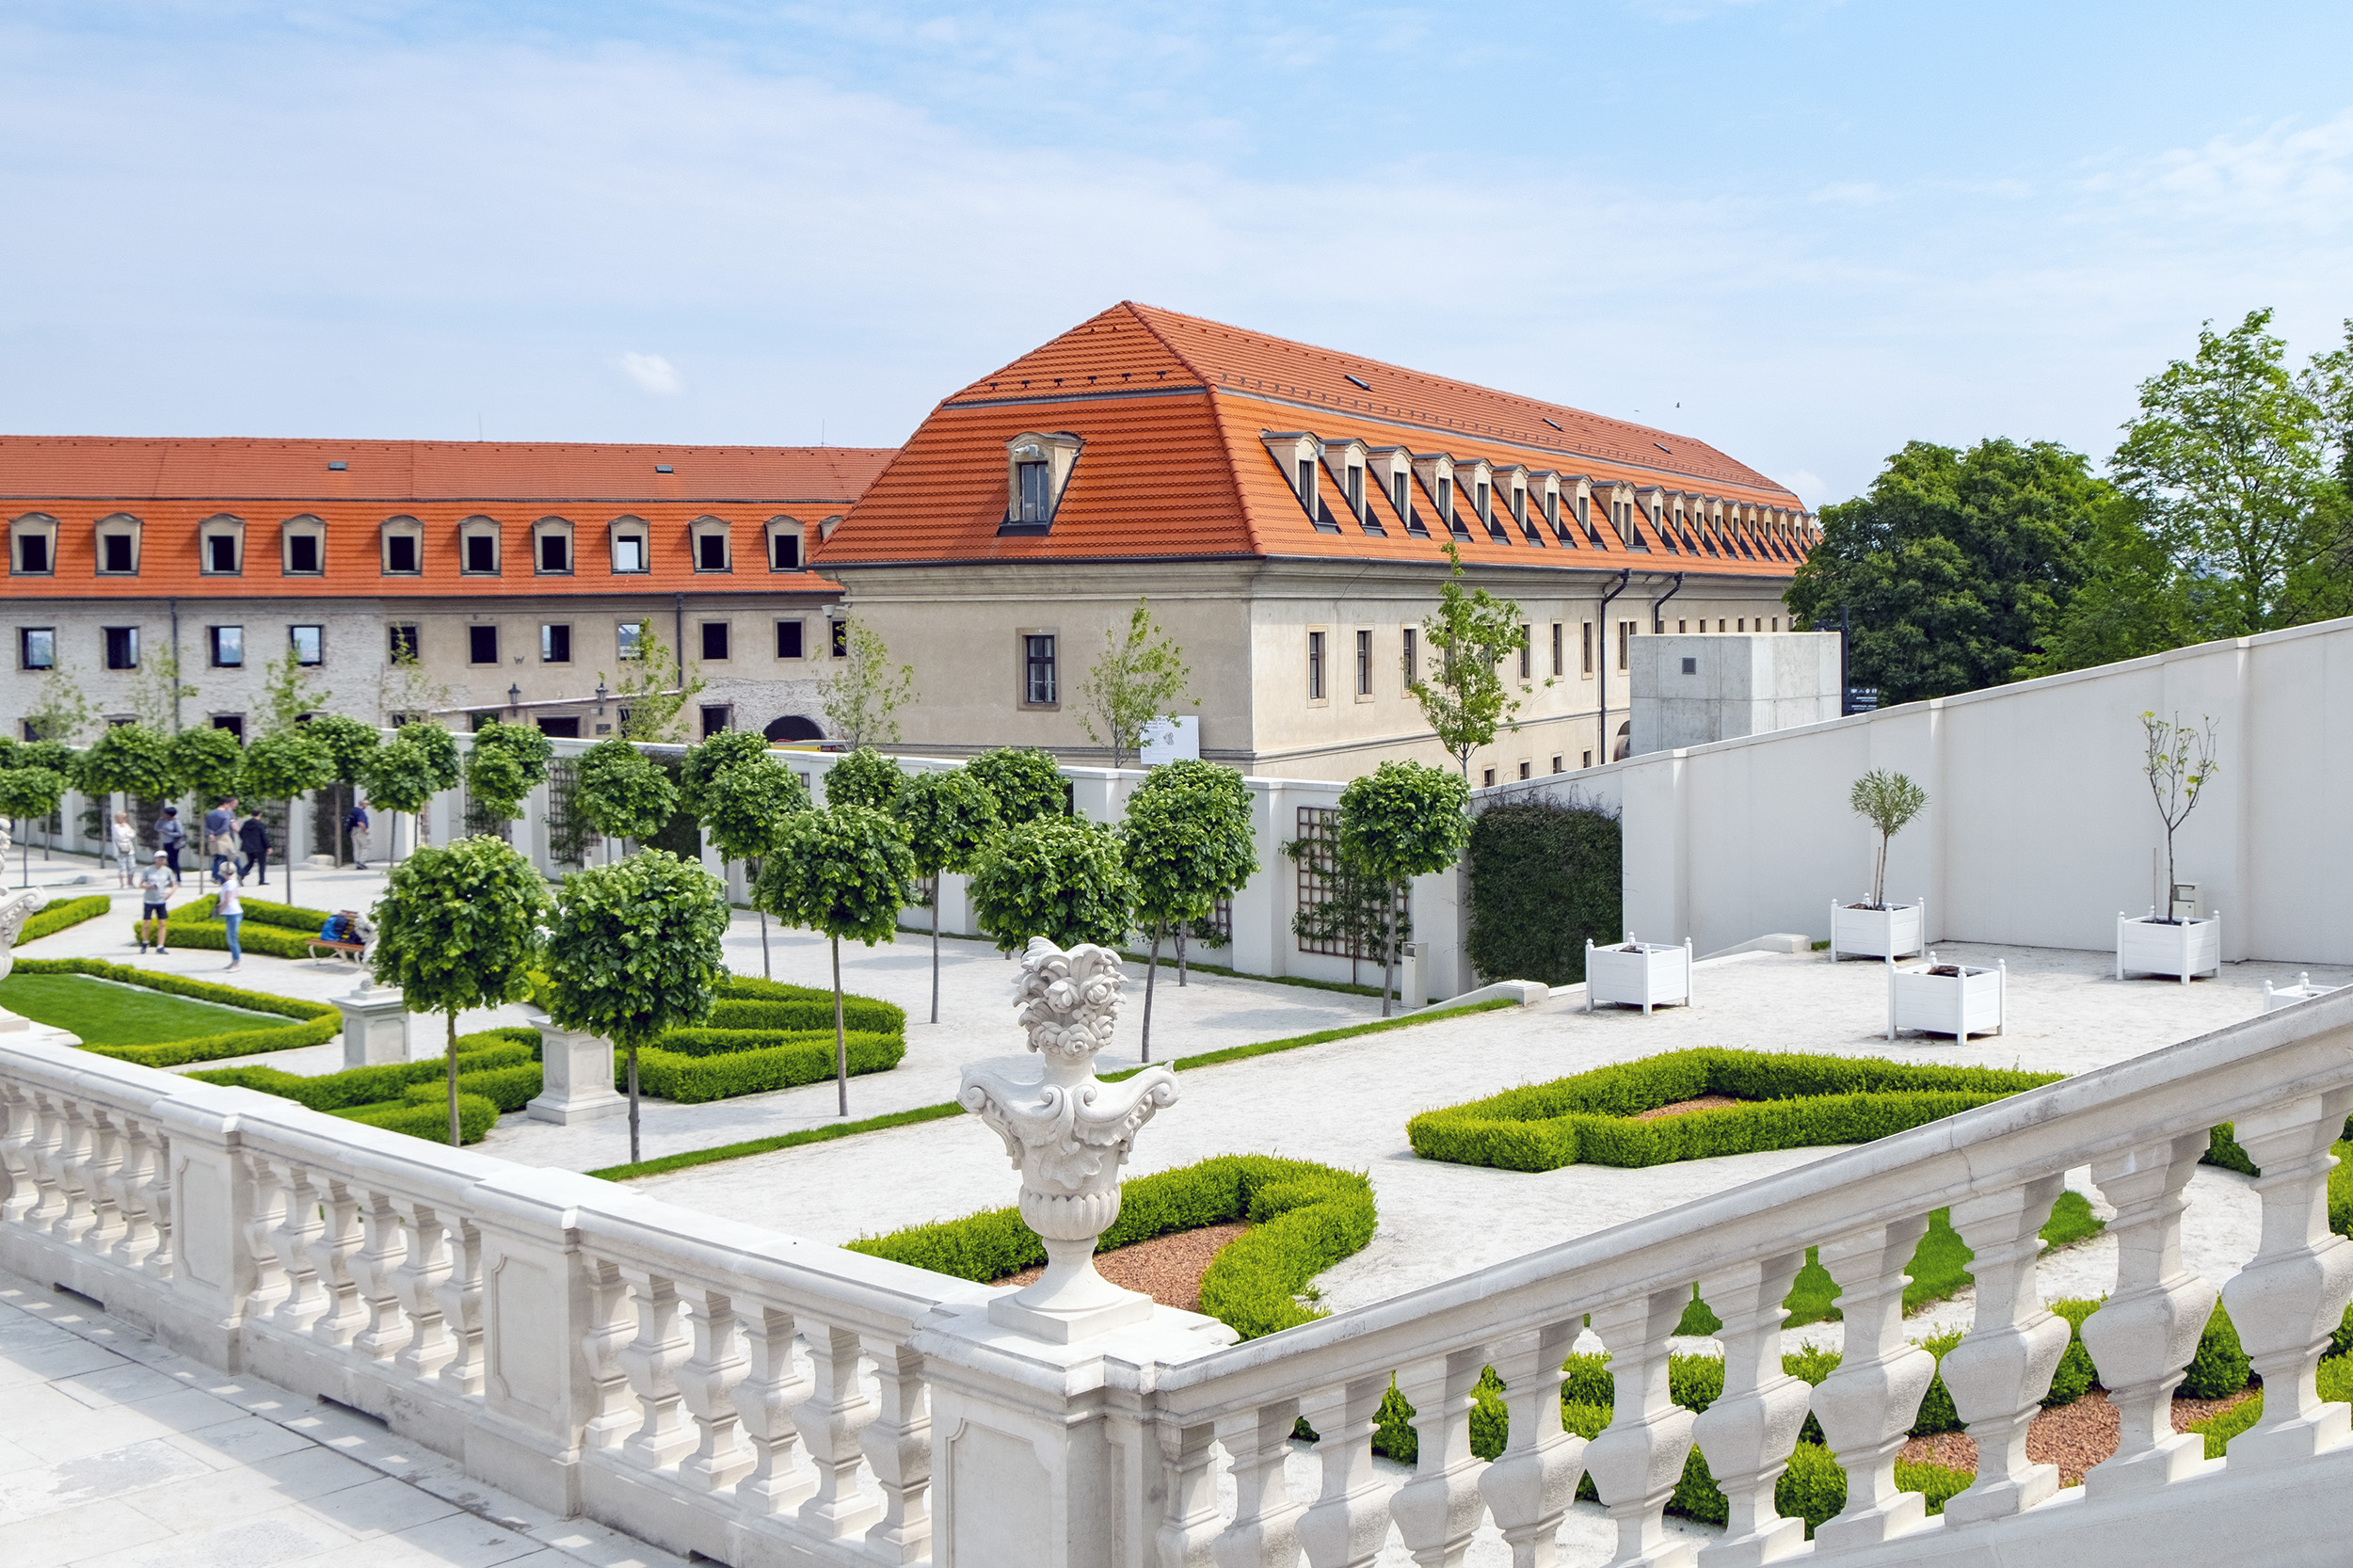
(729, 1390)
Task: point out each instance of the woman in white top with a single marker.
(229, 909)
(126, 842)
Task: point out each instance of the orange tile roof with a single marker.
(1172, 410)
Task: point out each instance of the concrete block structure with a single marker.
(1688, 690)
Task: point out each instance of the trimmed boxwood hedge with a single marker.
(498, 1070)
(1303, 1218)
(58, 917)
(476, 1117)
(318, 1022)
(280, 930)
(1797, 1102)
(716, 1065)
(1543, 879)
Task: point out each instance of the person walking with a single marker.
(155, 885)
(230, 906)
(253, 839)
(357, 825)
(171, 835)
(220, 837)
(126, 846)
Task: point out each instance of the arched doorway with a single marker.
(1625, 741)
(793, 726)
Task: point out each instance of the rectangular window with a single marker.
(302, 553)
(789, 639)
(482, 645)
(1588, 761)
(1556, 762)
(227, 646)
(1626, 642)
(711, 552)
(840, 633)
(1776, 623)
(401, 644)
(1307, 484)
(482, 553)
(1527, 653)
(714, 639)
(1410, 659)
(1446, 501)
(564, 728)
(629, 553)
(1743, 625)
(1483, 502)
(1559, 668)
(32, 553)
(400, 552)
(1037, 666)
(122, 647)
(1486, 779)
(114, 552)
(234, 722)
(788, 549)
(1356, 490)
(1364, 664)
(220, 552)
(1719, 623)
(628, 638)
(1032, 481)
(1686, 626)
(1397, 496)
(1523, 770)
(556, 643)
(716, 718)
(554, 552)
(36, 647)
(1314, 667)
(1588, 668)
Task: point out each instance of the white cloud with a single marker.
(652, 373)
(1809, 484)
(1854, 193)
(2301, 175)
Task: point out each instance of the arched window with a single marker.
(401, 548)
(793, 726)
(630, 542)
(302, 547)
(116, 540)
(479, 547)
(552, 547)
(786, 549)
(707, 537)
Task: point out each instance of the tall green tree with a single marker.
(1057, 877)
(350, 743)
(288, 694)
(950, 817)
(655, 687)
(1402, 821)
(1186, 841)
(634, 950)
(866, 777)
(621, 793)
(1026, 782)
(30, 795)
(747, 810)
(403, 776)
(1953, 564)
(1465, 697)
(504, 763)
(843, 870)
(1139, 678)
(207, 762)
(286, 765)
(863, 695)
(134, 760)
(458, 928)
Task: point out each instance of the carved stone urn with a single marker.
(1069, 1133)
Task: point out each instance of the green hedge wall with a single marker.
(58, 917)
(1303, 1218)
(318, 1022)
(490, 1050)
(758, 1061)
(1543, 878)
(859, 1013)
(1800, 1101)
(280, 930)
(476, 1117)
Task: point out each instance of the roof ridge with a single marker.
(1144, 321)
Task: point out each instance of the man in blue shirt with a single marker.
(220, 839)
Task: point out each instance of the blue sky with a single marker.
(1805, 231)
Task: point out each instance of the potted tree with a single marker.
(1878, 929)
(2180, 942)
(1958, 1000)
(1638, 974)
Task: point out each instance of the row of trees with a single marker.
(2225, 509)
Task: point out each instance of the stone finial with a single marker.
(1069, 1133)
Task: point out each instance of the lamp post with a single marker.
(514, 697)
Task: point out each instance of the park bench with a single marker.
(355, 951)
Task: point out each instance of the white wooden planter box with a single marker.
(1970, 1002)
(1640, 974)
(2143, 946)
(1900, 931)
(2288, 996)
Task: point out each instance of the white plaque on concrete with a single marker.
(1173, 739)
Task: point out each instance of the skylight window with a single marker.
(1357, 381)
(336, 465)
(661, 467)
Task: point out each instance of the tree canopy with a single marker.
(287, 762)
(1058, 877)
(349, 743)
(746, 810)
(404, 774)
(505, 763)
(1026, 781)
(1402, 821)
(950, 817)
(1138, 679)
(133, 758)
(207, 762)
(712, 756)
(620, 790)
(866, 777)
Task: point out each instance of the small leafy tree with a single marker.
(207, 762)
(2179, 763)
(1402, 821)
(350, 743)
(1887, 801)
(407, 693)
(1466, 697)
(950, 817)
(866, 777)
(287, 693)
(746, 810)
(621, 791)
(30, 793)
(1357, 913)
(286, 765)
(634, 950)
(843, 870)
(1057, 877)
(651, 691)
(712, 756)
(132, 759)
(1026, 781)
(1186, 841)
(405, 775)
(864, 693)
(505, 763)
(458, 928)
(157, 691)
(62, 712)
(1137, 681)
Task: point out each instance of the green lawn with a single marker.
(105, 1014)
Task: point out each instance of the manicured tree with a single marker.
(708, 758)
(1026, 781)
(130, 759)
(350, 743)
(1056, 877)
(1402, 821)
(949, 818)
(459, 928)
(746, 810)
(844, 871)
(403, 776)
(1186, 841)
(621, 793)
(287, 764)
(207, 761)
(30, 793)
(633, 950)
(504, 763)
(866, 777)
(59, 757)
(1887, 801)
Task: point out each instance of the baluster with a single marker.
(374, 1270)
(2002, 1367)
(1867, 1407)
(299, 1226)
(1349, 1522)
(612, 1324)
(69, 1158)
(461, 1309)
(2145, 1333)
(2288, 1300)
(653, 1358)
(22, 1130)
(1639, 1458)
(155, 1191)
(830, 1419)
(765, 1399)
(704, 1382)
(101, 1166)
(1529, 1486)
(260, 1234)
(132, 1177)
(1265, 1531)
(1437, 1509)
(418, 1284)
(898, 1446)
(1190, 1521)
(1749, 1432)
(341, 1315)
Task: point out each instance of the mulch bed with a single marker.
(1168, 1269)
(2075, 1436)
(1706, 1102)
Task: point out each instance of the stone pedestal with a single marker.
(376, 1027)
(576, 1077)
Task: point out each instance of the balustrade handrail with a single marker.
(2273, 1059)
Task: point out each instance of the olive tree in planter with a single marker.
(1186, 841)
(458, 928)
(2178, 763)
(633, 950)
(844, 871)
(1877, 930)
(950, 817)
(1402, 821)
(287, 764)
(621, 793)
(747, 810)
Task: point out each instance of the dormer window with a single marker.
(303, 546)
(1354, 485)
(1037, 470)
(708, 537)
(479, 547)
(1307, 485)
(628, 547)
(784, 545)
(1481, 504)
(32, 545)
(224, 539)
(118, 546)
(1032, 479)
(404, 547)
(552, 547)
